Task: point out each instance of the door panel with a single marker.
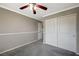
(40, 31)
(51, 31)
(67, 32)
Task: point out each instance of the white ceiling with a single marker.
(52, 9)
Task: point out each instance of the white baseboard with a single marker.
(77, 53)
(60, 47)
(18, 46)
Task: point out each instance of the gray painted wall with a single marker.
(16, 30)
(78, 32)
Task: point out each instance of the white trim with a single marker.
(61, 10)
(18, 12)
(19, 33)
(18, 46)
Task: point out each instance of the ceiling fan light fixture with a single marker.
(33, 6)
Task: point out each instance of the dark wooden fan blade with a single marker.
(34, 11)
(24, 7)
(42, 7)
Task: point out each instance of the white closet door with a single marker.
(51, 31)
(67, 32)
(39, 31)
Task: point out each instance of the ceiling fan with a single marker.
(33, 6)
